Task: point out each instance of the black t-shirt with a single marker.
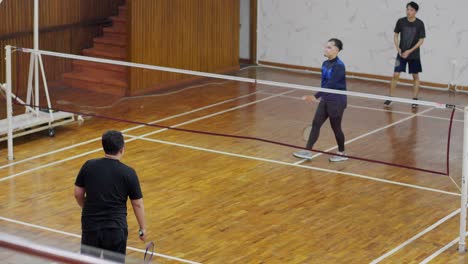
(410, 33)
(107, 183)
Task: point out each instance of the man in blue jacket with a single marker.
(330, 105)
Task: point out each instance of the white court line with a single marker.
(440, 251)
(369, 133)
(422, 233)
(214, 114)
(158, 131)
(124, 131)
(78, 236)
(293, 165)
(372, 108)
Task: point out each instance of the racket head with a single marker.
(306, 132)
(149, 253)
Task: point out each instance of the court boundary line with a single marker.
(370, 133)
(417, 236)
(440, 251)
(355, 175)
(57, 231)
(153, 132)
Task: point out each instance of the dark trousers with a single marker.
(325, 110)
(111, 243)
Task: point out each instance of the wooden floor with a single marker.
(221, 200)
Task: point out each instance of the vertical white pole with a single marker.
(464, 188)
(9, 102)
(36, 83)
(36, 48)
(30, 80)
(36, 25)
(46, 89)
(259, 12)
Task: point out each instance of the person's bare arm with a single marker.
(408, 52)
(80, 195)
(419, 44)
(396, 41)
(139, 210)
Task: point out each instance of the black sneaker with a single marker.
(414, 105)
(387, 103)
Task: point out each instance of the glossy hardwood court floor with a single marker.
(215, 199)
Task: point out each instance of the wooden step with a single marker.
(118, 41)
(123, 10)
(111, 53)
(80, 65)
(119, 22)
(114, 32)
(119, 19)
(100, 69)
(106, 47)
(91, 82)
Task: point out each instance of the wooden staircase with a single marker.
(101, 77)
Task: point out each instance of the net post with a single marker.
(36, 49)
(464, 187)
(36, 84)
(30, 79)
(9, 104)
(36, 25)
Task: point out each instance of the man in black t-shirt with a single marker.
(412, 33)
(101, 189)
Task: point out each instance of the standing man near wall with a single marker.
(409, 36)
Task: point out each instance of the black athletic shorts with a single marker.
(414, 65)
(112, 243)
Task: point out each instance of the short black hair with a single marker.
(337, 43)
(413, 5)
(112, 142)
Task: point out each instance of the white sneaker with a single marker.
(303, 154)
(338, 158)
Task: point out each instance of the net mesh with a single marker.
(260, 110)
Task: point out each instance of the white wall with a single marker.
(294, 32)
(244, 45)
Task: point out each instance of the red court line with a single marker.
(449, 140)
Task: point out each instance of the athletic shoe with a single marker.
(338, 158)
(387, 103)
(414, 105)
(303, 154)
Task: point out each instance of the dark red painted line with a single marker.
(449, 140)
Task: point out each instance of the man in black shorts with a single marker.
(101, 189)
(331, 106)
(412, 32)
